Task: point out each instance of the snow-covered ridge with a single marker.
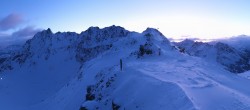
(87, 44)
(57, 58)
(113, 68)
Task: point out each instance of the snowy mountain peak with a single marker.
(47, 32)
(154, 34)
(114, 27)
(91, 29)
(42, 35)
(152, 31)
(188, 41)
(107, 31)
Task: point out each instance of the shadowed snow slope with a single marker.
(69, 71)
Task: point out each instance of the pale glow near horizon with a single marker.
(190, 26)
(204, 19)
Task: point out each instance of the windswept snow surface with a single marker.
(171, 80)
(155, 83)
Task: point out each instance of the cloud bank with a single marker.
(25, 33)
(18, 37)
(16, 22)
(11, 21)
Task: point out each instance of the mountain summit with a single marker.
(112, 68)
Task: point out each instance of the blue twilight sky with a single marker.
(20, 19)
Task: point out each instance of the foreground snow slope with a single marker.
(155, 82)
(69, 71)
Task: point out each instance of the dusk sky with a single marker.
(21, 19)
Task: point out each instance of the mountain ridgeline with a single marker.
(84, 46)
(94, 41)
(112, 68)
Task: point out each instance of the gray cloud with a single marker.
(10, 22)
(18, 37)
(25, 33)
(11, 31)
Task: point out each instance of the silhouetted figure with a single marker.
(121, 64)
(159, 49)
